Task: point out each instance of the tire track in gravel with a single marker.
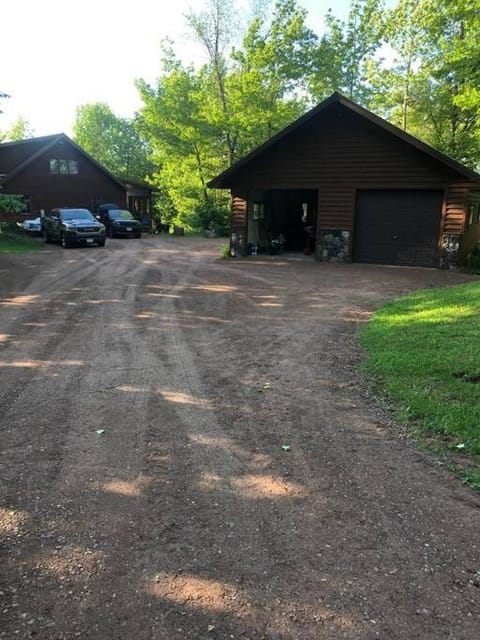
(71, 461)
(148, 493)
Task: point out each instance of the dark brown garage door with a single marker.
(397, 227)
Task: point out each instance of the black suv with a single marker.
(120, 222)
(73, 227)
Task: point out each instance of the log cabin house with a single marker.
(345, 185)
(53, 171)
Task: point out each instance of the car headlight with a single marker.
(101, 227)
(69, 227)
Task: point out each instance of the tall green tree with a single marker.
(394, 85)
(270, 70)
(20, 130)
(185, 145)
(213, 28)
(201, 120)
(449, 94)
(114, 142)
(431, 87)
(347, 50)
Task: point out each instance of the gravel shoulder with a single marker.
(187, 452)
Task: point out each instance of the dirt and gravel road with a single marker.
(148, 393)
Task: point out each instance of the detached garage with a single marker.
(344, 185)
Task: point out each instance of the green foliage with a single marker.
(452, 61)
(14, 241)
(20, 130)
(422, 353)
(114, 142)
(11, 204)
(345, 55)
(431, 88)
(199, 120)
(164, 210)
(470, 477)
(183, 140)
(395, 86)
(267, 73)
(225, 251)
(213, 217)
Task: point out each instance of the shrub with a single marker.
(225, 252)
(11, 204)
(8, 228)
(212, 217)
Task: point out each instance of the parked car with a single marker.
(72, 227)
(120, 222)
(33, 226)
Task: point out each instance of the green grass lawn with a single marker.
(423, 353)
(18, 243)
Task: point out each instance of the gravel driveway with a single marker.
(187, 452)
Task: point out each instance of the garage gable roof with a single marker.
(28, 151)
(224, 179)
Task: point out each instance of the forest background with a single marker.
(416, 64)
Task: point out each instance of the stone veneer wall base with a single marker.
(334, 246)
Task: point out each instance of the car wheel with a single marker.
(138, 235)
(101, 243)
(64, 242)
(46, 237)
(110, 233)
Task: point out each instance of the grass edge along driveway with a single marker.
(18, 243)
(423, 356)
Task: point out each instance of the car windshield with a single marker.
(77, 214)
(120, 214)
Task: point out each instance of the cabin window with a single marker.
(62, 167)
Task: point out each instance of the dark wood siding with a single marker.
(339, 149)
(239, 213)
(398, 227)
(239, 220)
(454, 216)
(12, 155)
(47, 191)
(344, 148)
(336, 206)
(342, 152)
